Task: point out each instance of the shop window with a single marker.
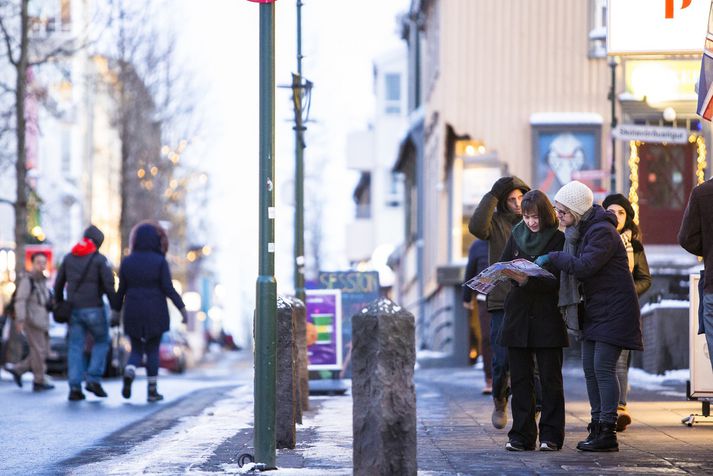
(392, 93)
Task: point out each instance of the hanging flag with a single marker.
(705, 83)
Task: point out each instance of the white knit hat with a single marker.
(576, 196)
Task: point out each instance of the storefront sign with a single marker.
(661, 81)
(324, 329)
(637, 27)
(672, 135)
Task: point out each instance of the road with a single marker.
(51, 429)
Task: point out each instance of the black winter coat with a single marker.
(611, 307)
(144, 285)
(532, 317)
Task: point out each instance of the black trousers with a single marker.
(522, 384)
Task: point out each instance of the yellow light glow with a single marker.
(165, 150)
(154, 170)
(207, 250)
(140, 173)
(634, 177)
(191, 256)
(36, 231)
(701, 160)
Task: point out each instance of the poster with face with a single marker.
(566, 153)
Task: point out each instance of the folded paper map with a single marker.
(493, 274)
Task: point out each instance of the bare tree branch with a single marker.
(8, 43)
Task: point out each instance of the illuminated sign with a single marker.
(639, 27)
(661, 81)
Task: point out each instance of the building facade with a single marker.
(506, 87)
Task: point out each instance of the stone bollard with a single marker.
(383, 393)
(285, 413)
(300, 316)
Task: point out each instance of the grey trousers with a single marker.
(39, 342)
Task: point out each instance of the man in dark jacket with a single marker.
(696, 237)
(479, 315)
(492, 221)
(87, 275)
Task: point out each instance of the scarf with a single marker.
(531, 243)
(569, 295)
(626, 238)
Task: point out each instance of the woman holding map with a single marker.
(533, 330)
(597, 296)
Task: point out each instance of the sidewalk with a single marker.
(455, 435)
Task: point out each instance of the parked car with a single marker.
(174, 352)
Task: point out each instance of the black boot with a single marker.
(153, 395)
(605, 440)
(593, 429)
(128, 380)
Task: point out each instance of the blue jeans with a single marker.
(148, 347)
(707, 301)
(599, 363)
(501, 370)
(622, 375)
(94, 321)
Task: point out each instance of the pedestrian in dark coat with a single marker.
(492, 221)
(479, 316)
(533, 330)
(144, 285)
(597, 292)
(639, 267)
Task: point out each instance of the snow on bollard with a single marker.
(384, 397)
(286, 394)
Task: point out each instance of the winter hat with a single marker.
(622, 201)
(576, 196)
(94, 234)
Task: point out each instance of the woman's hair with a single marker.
(576, 216)
(536, 202)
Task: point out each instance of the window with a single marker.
(392, 93)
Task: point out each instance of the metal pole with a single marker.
(266, 312)
(612, 99)
(298, 96)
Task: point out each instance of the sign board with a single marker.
(359, 289)
(661, 81)
(698, 357)
(671, 135)
(324, 329)
(640, 27)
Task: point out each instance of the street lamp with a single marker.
(612, 98)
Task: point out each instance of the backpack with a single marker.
(10, 306)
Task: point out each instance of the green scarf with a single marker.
(531, 243)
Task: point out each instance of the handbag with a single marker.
(62, 310)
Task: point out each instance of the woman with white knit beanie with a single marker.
(598, 301)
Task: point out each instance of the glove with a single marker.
(115, 320)
(541, 261)
(184, 315)
(501, 186)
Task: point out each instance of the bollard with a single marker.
(300, 316)
(285, 432)
(383, 393)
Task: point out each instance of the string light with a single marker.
(634, 177)
(701, 160)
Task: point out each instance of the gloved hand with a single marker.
(541, 261)
(184, 315)
(115, 320)
(501, 186)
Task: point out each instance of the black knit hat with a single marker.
(94, 234)
(622, 201)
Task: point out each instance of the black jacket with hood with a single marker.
(144, 284)
(493, 221)
(99, 278)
